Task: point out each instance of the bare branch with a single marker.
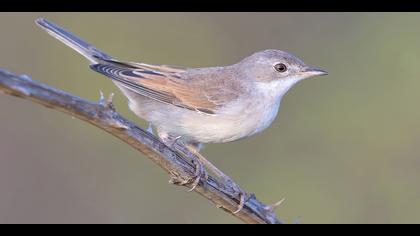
(104, 116)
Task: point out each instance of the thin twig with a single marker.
(103, 115)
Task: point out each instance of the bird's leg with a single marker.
(200, 170)
(221, 175)
(200, 166)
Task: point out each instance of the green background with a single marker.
(343, 149)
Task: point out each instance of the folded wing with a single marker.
(170, 85)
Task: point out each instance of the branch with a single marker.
(104, 116)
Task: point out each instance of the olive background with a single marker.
(343, 149)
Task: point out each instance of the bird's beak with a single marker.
(312, 71)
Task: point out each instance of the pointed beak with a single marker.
(312, 71)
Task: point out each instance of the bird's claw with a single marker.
(242, 201)
(242, 194)
(200, 170)
(200, 173)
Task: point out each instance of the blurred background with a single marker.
(344, 148)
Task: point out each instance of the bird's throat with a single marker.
(275, 89)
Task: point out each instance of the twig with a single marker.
(104, 116)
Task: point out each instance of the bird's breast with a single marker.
(237, 120)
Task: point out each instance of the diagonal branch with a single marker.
(104, 116)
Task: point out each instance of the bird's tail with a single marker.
(93, 54)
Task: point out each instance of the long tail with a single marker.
(93, 54)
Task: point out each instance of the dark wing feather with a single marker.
(127, 76)
(202, 92)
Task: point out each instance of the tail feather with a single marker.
(93, 54)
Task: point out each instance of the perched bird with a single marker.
(199, 105)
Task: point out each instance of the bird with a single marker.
(196, 106)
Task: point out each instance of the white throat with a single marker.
(268, 106)
(276, 89)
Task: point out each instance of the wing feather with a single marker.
(171, 85)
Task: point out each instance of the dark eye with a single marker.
(280, 67)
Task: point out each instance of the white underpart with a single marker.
(273, 93)
(242, 118)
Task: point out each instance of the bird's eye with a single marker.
(280, 67)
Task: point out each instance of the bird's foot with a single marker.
(243, 196)
(226, 179)
(200, 174)
(200, 169)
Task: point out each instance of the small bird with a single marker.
(199, 105)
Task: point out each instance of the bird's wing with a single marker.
(172, 85)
